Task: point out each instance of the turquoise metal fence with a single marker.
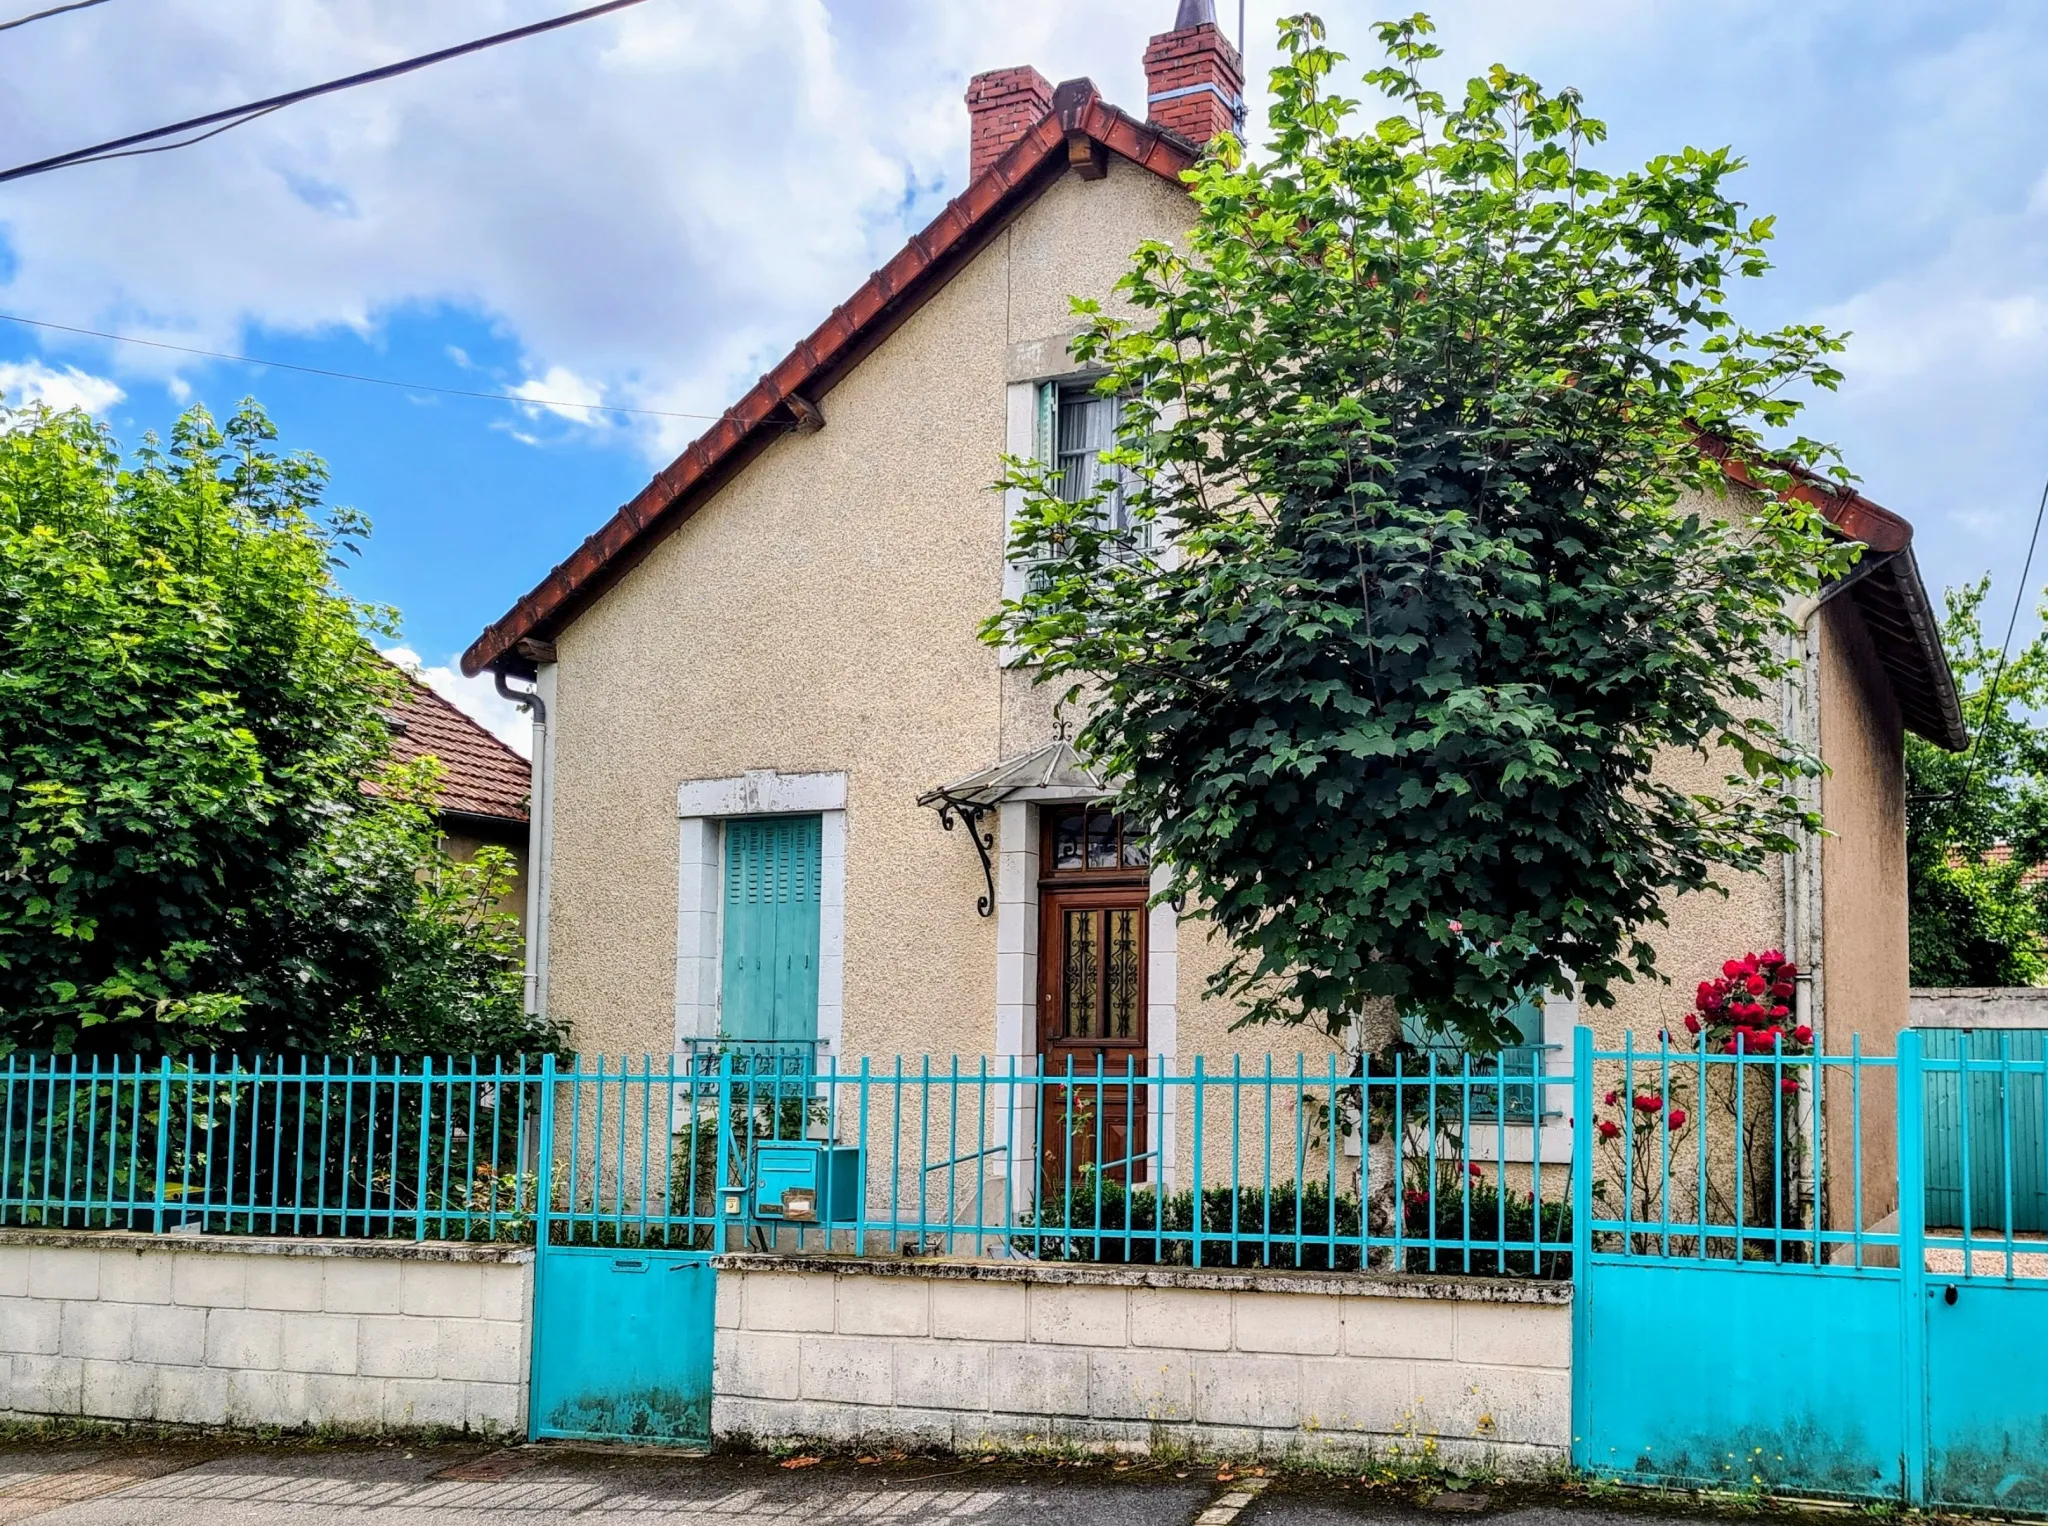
(1432, 1165)
(421, 1149)
(1812, 1273)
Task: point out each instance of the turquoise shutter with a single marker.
(769, 978)
(1517, 1098)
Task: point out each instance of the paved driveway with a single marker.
(427, 1487)
(227, 1484)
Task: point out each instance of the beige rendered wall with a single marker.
(820, 615)
(1864, 961)
(462, 847)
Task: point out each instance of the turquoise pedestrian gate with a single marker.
(622, 1345)
(1762, 1301)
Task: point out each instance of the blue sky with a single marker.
(648, 209)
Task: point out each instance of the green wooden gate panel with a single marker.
(769, 978)
(1954, 1109)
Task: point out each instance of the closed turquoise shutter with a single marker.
(769, 976)
(1516, 1097)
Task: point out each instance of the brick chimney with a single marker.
(1002, 106)
(1194, 79)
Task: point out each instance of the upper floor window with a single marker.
(1076, 425)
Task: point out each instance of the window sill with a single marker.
(1517, 1143)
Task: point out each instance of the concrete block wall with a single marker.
(358, 1335)
(965, 1354)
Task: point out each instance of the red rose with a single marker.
(1757, 985)
(1772, 956)
(1787, 971)
(1612, 1098)
(1777, 1012)
(1677, 1119)
(1472, 1168)
(1705, 1000)
(1789, 1084)
(1609, 1128)
(1803, 1033)
(1692, 1024)
(1733, 968)
(1782, 990)
(1731, 1046)
(1648, 1104)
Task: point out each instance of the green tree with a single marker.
(1418, 586)
(189, 709)
(1977, 822)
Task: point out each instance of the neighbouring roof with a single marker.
(1079, 129)
(480, 776)
(1077, 132)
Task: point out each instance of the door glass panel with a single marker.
(1122, 1005)
(1081, 979)
(1102, 843)
(1066, 841)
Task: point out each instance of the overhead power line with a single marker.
(2011, 626)
(235, 116)
(55, 10)
(374, 381)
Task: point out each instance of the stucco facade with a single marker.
(812, 626)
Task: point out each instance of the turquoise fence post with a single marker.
(723, 1174)
(163, 1137)
(426, 1133)
(1582, 1241)
(544, 1170)
(1912, 1172)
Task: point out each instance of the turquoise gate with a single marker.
(1787, 1281)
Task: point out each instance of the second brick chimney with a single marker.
(1194, 78)
(1002, 106)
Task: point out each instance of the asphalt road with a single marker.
(216, 1484)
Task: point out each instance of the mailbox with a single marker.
(805, 1181)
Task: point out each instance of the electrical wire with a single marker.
(374, 381)
(2019, 598)
(235, 116)
(55, 10)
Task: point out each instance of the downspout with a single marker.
(539, 840)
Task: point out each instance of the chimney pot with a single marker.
(1002, 106)
(1194, 78)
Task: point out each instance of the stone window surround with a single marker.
(703, 806)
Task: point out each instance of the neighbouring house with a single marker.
(786, 791)
(484, 783)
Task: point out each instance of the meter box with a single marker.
(802, 1181)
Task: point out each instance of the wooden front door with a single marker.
(1093, 887)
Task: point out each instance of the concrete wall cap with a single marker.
(1348, 1284)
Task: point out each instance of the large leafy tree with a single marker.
(190, 708)
(1431, 566)
(1977, 822)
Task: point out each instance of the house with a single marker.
(787, 792)
(484, 783)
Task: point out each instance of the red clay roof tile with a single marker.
(480, 775)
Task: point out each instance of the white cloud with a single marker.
(559, 390)
(33, 382)
(476, 698)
